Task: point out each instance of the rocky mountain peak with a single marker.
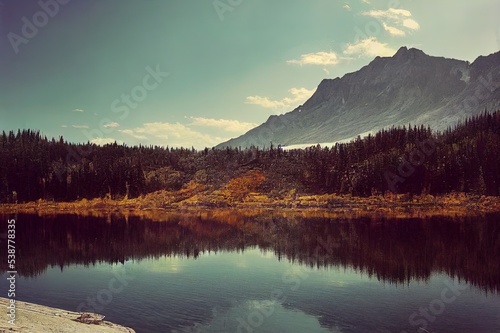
(404, 52)
(409, 87)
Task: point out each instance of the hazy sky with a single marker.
(198, 72)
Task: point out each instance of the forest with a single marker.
(409, 159)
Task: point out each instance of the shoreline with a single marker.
(157, 205)
(32, 317)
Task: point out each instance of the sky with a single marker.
(195, 73)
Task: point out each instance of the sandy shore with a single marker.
(34, 318)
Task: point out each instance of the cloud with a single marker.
(134, 133)
(411, 24)
(391, 13)
(227, 125)
(318, 58)
(393, 31)
(369, 46)
(104, 141)
(111, 125)
(78, 110)
(172, 134)
(395, 21)
(64, 126)
(79, 126)
(299, 96)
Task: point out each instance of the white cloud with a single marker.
(227, 125)
(104, 141)
(411, 24)
(299, 96)
(134, 133)
(395, 20)
(111, 125)
(79, 126)
(318, 58)
(64, 126)
(366, 1)
(172, 134)
(391, 13)
(78, 110)
(393, 31)
(370, 47)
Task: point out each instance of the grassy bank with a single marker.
(195, 198)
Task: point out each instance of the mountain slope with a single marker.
(409, 87)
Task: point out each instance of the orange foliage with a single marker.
(249, 182)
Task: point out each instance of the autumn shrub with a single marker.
(241, 186)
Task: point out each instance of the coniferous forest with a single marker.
(414, 160)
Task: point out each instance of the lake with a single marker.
(228, 272)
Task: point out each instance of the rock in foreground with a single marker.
(35, 318)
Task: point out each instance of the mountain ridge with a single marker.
(409, 87)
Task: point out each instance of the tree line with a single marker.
(407, 159)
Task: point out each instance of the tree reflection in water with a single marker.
(392, 250)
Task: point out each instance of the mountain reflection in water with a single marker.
(392, 250)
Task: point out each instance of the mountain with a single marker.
(410, 87)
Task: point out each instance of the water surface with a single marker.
(265, 274)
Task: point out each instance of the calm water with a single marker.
(266, 274)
